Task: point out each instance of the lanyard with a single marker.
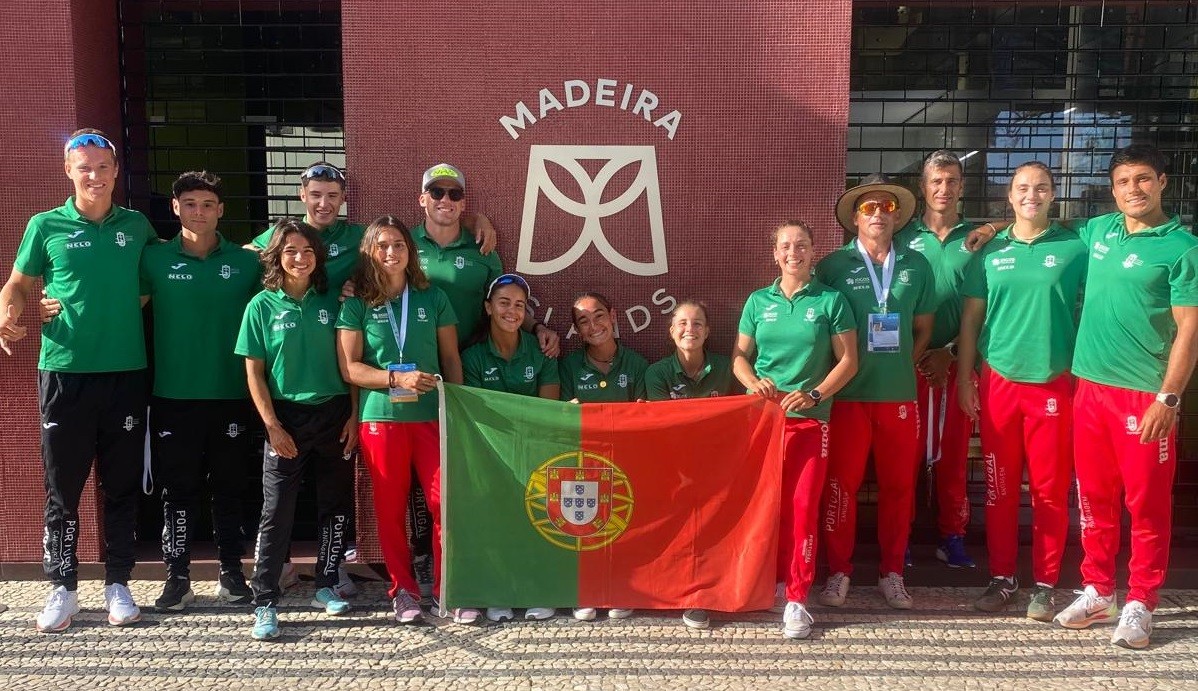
(400, 332)
(882, 289)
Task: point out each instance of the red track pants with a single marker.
(1111, 460)
(391, 450)
(804, 464)
(1027, 425)
(946, 433)
(891, 431)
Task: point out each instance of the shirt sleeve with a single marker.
(974, 285)
(445, 314)
(841, 316)
(656, 386)
(548, 373)
(566, 378)
(1183, 280)
(748, 325)
(31, 253)
(350, 316)
(263, 238)
(145, 285)
(927, 294)
(471, 369)
(251, 339)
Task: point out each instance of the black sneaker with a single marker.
(997, 595)
(176, 594)
(231, 588)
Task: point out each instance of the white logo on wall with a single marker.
(592, 209)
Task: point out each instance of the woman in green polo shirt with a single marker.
(601, 371)
(510, 360)
(395, 338)
(288, 340)
(689, 372)
(797, 344)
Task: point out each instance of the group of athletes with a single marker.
(890, 347)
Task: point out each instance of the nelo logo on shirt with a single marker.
(77, 244)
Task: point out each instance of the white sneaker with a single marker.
(465, 615)
(796, 621)
(539, 613)
(836, 589)
(1135, 626)
(61, 605)
(585, 613)
(345, 586)
(500, 614)
(288, 577)
(779, 605)
(1089, 608)
(619, 613)
(121, 608)
(894, 591)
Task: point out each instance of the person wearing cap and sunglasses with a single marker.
(92, 370)
(891, 291)
(509, 360)
(797, 344)
(395, 338)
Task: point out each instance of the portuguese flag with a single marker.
(669, 504)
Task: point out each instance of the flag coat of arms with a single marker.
(667, 505)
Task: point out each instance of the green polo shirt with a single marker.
(198, 306)
(624, 382)
(794, 337)
(342, 239)
(665, 379)
(1134, 281)
(297, 339)
(462, 272)
(428, 310)
(524, 374)
(882, 376)
(1031, 291)
(91, 268)
(948, 259)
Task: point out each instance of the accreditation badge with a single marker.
(398, 393)
(884, 332)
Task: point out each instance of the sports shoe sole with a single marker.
(66, 624)
(1087, 622)
(943, 558)
(225, 595)
(188, 598)
(265, 636)
(1131, 645)
(697, 625)
(332, 612)
(124, 622)
(795, 635)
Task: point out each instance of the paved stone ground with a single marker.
(864, 645)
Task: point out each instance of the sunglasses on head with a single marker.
(456, 194)
(508, 279)
(81, 140)
(323, 171)
(872, 207)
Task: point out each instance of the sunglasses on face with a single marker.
(870, 208)
(456, 194)
(324, 172)
(507, 279)
(81, 140)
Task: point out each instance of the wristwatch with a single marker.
(815, 395)
(951, 347)
(1169, 400)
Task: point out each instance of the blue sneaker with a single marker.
(952, 552)
(266, 624)
(330, 602)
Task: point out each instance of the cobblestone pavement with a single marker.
(864, 645)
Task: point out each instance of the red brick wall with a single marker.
(62, 75)
(762, 90)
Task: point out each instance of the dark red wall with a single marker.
(61, 73)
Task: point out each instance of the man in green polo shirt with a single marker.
(939, 235)
(198, 285)
(92, 380)
(1136, 346)
(891, 291)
